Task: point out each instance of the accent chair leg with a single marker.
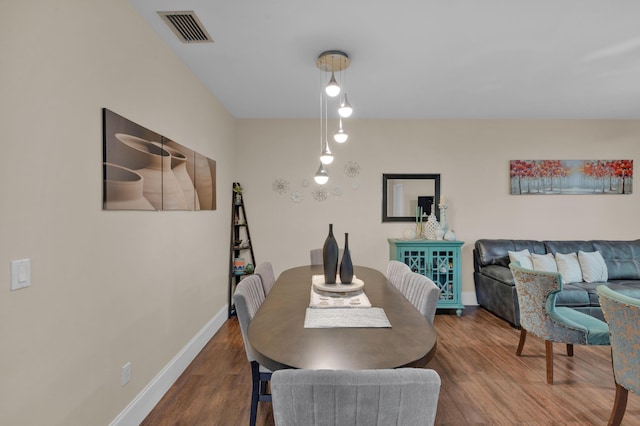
(255, 388)
(548, 346)
(619, 406)
(569, 349)
(523, 337)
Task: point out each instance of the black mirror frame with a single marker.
(425, 176)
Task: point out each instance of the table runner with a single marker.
(346, 318)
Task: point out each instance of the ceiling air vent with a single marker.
(186, 26)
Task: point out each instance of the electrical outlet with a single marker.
(126, 373)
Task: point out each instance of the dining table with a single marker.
(279, 339)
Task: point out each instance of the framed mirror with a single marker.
(402, 193)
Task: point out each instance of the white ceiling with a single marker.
(418, 58)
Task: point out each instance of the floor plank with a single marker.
(483, 381)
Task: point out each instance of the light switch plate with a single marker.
(20, 274)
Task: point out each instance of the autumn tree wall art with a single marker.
(539, 177)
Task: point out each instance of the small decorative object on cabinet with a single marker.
(438, 260)
(241, 249)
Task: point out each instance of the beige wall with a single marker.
(107, 287)
(473, 160)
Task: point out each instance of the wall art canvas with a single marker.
(536, 177)
(143, 170)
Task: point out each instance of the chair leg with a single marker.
(569, 349)
(548, 346)
(619, 406)
(255, 388)
(523, 337)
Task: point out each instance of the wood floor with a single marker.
(483, 382)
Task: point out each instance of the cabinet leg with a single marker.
(459, 312)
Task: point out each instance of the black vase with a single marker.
(346, 266)
(330, 257)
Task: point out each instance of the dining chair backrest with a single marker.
(396, 271)
(403, 396)
(315, 256)
(268, 278)
(422, 293)
(247, 298)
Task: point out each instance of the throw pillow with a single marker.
(523, 257)
(594, 268)
(569, 267)
(544, 262)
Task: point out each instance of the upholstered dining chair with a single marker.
(268, 278)
(248, 297)
(315, 256)
(537, 292)
(403, 396)
(421, 292)
(395, 272)
(623, 316)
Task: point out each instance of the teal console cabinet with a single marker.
(438, 260)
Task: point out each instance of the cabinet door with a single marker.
(415, 258)
(443, 265)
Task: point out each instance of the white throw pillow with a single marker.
(523, 257)
(569, 267)
(594, 268)
(544, 262)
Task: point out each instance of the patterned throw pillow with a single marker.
(544, 262)
(569, 267)
(594, 268)
(523, 257)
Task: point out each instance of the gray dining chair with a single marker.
(422, 293)
(248, 297)
(396, 271)
(316, 256)
(268, 278)
(403, 396)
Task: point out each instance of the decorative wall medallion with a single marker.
(320, 194)
(296, 197)
(352, 169)
(280, 186)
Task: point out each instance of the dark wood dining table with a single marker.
(279, 340)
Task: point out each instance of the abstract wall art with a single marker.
(143, 170)
(539, 177)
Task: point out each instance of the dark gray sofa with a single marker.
(496, 292)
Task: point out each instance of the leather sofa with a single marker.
(496, 292)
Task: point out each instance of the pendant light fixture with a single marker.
(321, 176)
(341, 136)
(331, 61)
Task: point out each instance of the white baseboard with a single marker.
(144, 402)
(469, 298)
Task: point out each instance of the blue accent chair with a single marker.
(537, 292)
(623, 316)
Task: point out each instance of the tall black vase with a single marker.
(330, 257)
(346, 266)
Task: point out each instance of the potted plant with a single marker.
(237, 189)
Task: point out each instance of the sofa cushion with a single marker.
(522, 258)
(622, 258)
(496, 252)
(544, 262)
(499, 273)
(594, 269)
(573, 295)
(567, 246)
(569, 267)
